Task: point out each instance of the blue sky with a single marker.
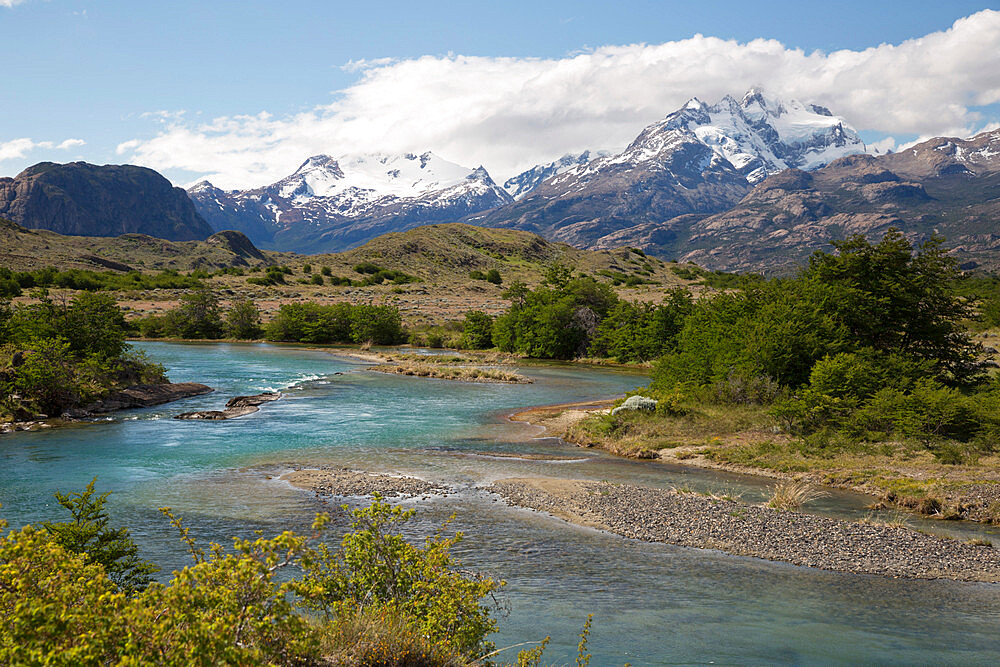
(98, 71)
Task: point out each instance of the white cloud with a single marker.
(15, 148)
(19, 148)
(511, 113)
(10, 3)
(70, 143)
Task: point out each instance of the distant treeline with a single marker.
(199, 315)
(13, 283)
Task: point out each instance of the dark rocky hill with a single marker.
(84, 199)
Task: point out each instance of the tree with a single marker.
(477, 330)
(553, 322)
(88, 534)
(243, 319)
(493, 276)
(95, 324)
(894, 300)
(197, 316)
(382, 325)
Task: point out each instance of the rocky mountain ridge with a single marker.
(100, 200)
(330, 204)
(945, 186)
(700, 160)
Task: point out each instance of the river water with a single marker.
(653, 604)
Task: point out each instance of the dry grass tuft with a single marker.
(384, 639)
(791, 495)
(892, 521)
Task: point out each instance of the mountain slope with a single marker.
(519, 186)
(91, 200)
(333, 204)
(701, 159)
(27, 249)
(946, 186)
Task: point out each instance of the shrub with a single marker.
(311, 323)
(382, 325)
(88, 534)
(477, 330)
(197, 316)
(376, 569)
(243, 320)
(493, 276)
(239, 607)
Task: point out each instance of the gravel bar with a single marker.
(691, 520)
(344, 482)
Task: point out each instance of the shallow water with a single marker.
(652, 603)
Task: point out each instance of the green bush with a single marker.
(477, 331)
(336, 323)
(243, 320)
(558, 320)
(382, 325)
(197, 316)
(54, 358)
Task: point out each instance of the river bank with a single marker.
(138, 396)
(725, 524)
(741, 440)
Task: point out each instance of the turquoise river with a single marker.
(653, 604)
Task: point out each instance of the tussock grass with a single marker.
(893, 521)
(383, 640)
(792, 495)
(979, 542)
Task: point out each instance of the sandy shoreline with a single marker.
(557, 418)
(742, 529)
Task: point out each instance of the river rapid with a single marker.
(653, 604)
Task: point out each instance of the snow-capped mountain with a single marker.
(699, 160)
(520, 185)
(332, 204)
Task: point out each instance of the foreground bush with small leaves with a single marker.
(383, 600)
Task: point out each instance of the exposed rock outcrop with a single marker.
(91, 200)
(140, 396)
(237, 406)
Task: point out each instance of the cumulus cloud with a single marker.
(18, 148)
(511, 113)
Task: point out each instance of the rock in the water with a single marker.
(634, 403)
(238, 406)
